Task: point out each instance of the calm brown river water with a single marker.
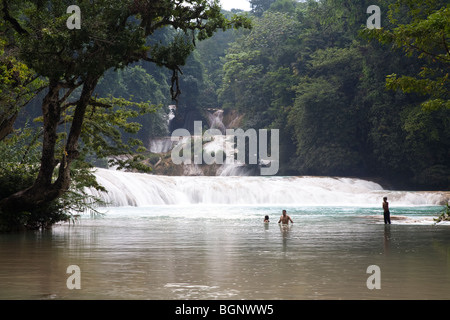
(226, 252)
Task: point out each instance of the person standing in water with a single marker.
(266, 218)
(284, 219)
(386, 213)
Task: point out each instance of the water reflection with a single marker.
(387, 238)
(285, 231)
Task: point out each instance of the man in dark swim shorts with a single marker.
(387, 213)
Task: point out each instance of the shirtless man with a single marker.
(284, 219)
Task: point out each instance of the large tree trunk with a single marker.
(44, 190)
(7, 124)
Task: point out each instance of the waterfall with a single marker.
(172, 110)
(136, 189)
(215, 121)
(160, 144)
(218, 144)
(236, 170)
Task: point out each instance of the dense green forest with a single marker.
(312, 70)
(73, 79)
(348, 101)
(308, 69)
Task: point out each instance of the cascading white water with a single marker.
(215, 120)
(135, 189)
(218, 143)
(160, 145)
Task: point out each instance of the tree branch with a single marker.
(95, 103)
(444, 41)
(15, 24)
(431, 54)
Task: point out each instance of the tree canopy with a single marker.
(113, 35)
(348, 100)
(422, 32)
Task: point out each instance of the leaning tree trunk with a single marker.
(44, 190)
(7, 124)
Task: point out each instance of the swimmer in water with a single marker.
(284, 219)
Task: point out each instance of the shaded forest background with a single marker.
(307, 69)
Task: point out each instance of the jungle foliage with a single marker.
(348, 101)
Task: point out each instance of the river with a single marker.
(204, 238)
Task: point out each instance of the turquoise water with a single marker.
(227, 252)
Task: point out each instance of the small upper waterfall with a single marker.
(216, 119)
(160, 144)
(137, 189)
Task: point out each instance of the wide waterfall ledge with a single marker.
(138, 189)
